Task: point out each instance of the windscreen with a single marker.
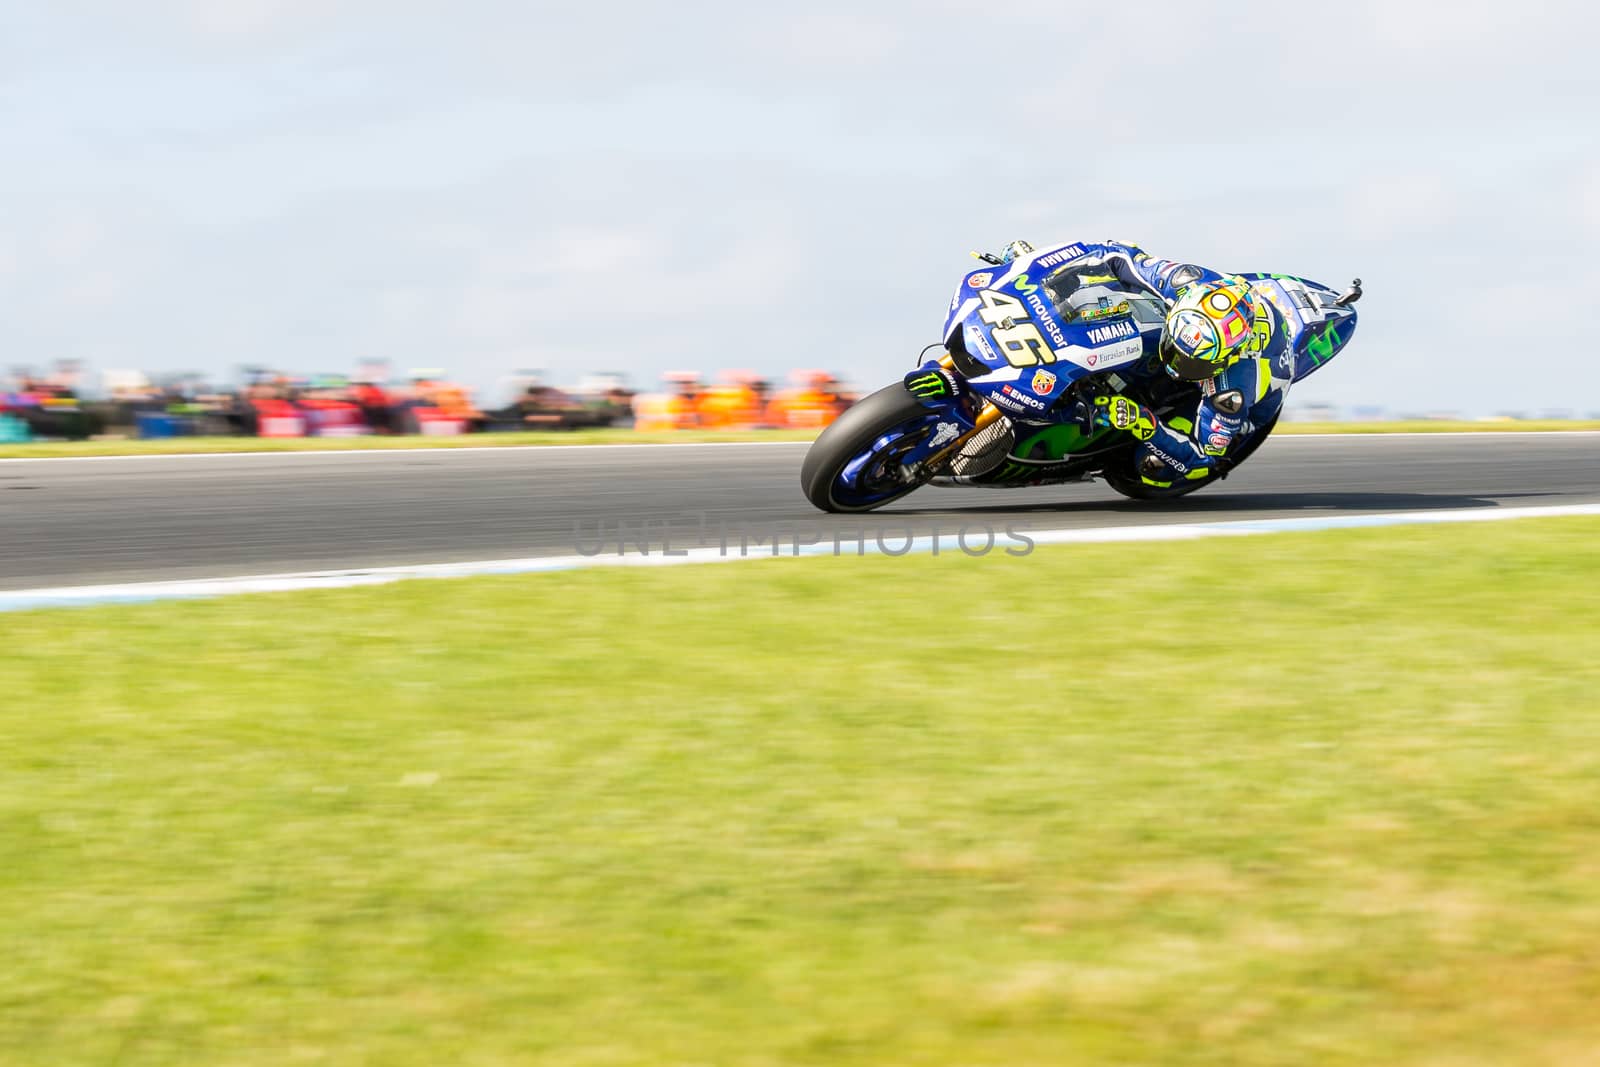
(1084, 296)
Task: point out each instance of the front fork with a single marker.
(988, 415)
(939, 389)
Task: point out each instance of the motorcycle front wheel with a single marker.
(853, 465)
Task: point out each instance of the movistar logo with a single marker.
(1036, 302)
(1323, 345)
(1176, 464)
(1025, 286)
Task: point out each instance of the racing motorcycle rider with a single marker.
(1218, 333)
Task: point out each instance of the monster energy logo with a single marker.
(1012, 471)
(928, 385)
(1060, 441)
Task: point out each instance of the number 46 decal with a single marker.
(1024, 345)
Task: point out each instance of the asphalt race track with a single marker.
(81, 522)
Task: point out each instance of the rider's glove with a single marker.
(1015, 250)
(1125, 414)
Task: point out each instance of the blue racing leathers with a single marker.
(1248, 394)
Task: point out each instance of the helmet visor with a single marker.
(1187, 368)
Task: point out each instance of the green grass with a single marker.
(192, 445)
(1305, 799)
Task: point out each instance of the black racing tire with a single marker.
(1123, 475)
(847, 437)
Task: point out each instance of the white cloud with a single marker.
(1467, 29)
(1588, 198)
(247, 18)
(601, 252)
(838, 38)
(308, 182)
(1407, 206)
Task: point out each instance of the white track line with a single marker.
(84, 596)
(515, 449)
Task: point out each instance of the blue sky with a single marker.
(492, 186)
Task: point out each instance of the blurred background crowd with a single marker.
(66, 402)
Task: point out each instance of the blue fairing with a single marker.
(1318, 328)
(1034, 344)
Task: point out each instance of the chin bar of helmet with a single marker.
(1191, 369)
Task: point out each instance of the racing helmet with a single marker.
(1211, 325)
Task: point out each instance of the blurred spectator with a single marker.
(439, 406)
(608, 396)
(543, 407)
(376, 405)
(738, 402)
(330, 410)
(47, 407)
(814, 400)
(674, 409)
(273, 404)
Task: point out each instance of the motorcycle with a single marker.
(1026, 356)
